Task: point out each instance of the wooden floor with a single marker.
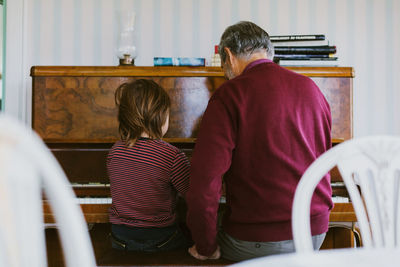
(106, 256)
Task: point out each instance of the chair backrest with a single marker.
(27, 169)
(367, 164)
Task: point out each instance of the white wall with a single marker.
(16, 77)
(76, 32)
(1, 50)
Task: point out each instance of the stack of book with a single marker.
(303, 50)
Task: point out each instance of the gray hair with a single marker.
(243, 39)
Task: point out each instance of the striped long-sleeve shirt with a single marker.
(145, 180)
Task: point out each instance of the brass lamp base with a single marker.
(127, 60)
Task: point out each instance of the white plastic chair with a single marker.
(373, 164)
(27, 168)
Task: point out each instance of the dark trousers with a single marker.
(147, 239)
(239, 250)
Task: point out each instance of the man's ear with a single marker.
(228, 55)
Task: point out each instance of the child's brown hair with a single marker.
(143, 106)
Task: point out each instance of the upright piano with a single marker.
(74, 112)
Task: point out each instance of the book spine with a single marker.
(304, 57)
(163, 61)
(329, 63)
(191, 61)
(302, 43)
(180, 61)
(316, 50)
(303, 37)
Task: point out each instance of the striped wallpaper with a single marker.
(366, 33)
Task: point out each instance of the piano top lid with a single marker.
(134, 71)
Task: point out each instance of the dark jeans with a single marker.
(147, 239)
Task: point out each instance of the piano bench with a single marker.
(106, 256)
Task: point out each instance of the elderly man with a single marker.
(261, 130)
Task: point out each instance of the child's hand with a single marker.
(193, 251)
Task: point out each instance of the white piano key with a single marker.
(338, 199)
(94, 200)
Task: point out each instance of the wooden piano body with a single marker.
(73, 110)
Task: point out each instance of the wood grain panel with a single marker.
(81, 108)
(338, 92)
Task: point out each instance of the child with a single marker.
(146, 174)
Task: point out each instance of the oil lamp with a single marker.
(126, 48)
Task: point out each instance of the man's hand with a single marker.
(193, 251)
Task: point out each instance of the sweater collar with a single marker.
(255, 63)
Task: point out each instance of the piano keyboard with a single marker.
(94, 200)
(337, 199)
(108, 200)
(96, 210)
(97, 185)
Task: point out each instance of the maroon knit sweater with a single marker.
(260, 131)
